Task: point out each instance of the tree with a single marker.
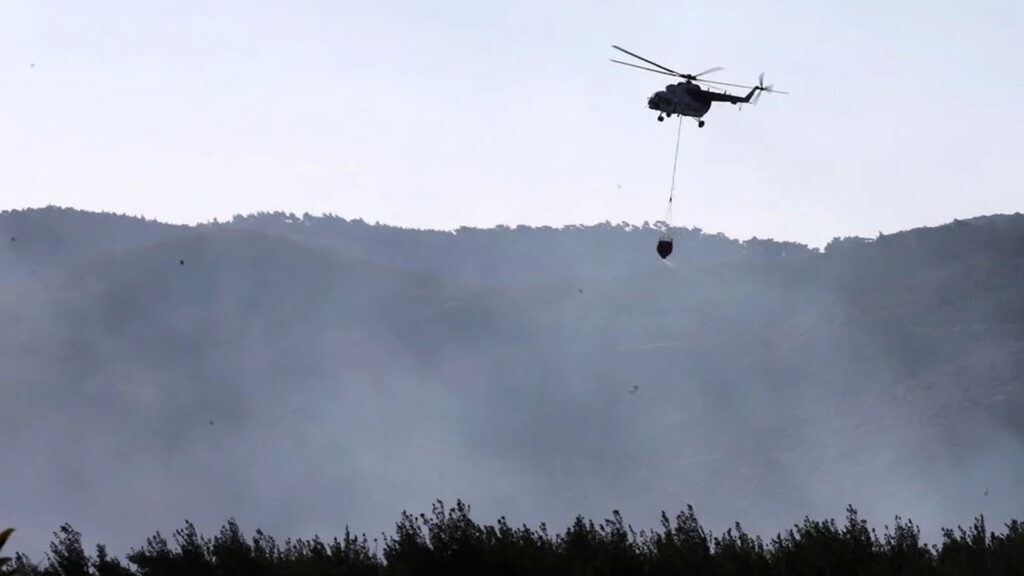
(104, 565)
(67, 557)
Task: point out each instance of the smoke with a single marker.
(345, 385)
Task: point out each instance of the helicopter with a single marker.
(689, 98)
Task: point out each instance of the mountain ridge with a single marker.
(159, 373)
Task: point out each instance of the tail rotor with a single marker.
(758, 89)
(762, 88)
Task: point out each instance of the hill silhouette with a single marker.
(353, 371)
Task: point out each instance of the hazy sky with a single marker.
(475, 113)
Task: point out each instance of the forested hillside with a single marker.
(298, 372)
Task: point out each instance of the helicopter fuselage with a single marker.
(683, 98)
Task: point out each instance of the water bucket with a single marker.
(664, 247)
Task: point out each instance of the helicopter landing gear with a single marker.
(700, 123)
(661, 118)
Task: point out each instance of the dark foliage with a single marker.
(450, 542)
(4, 535)
(67, 557)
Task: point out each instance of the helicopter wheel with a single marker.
(661, 118)
(700, 124)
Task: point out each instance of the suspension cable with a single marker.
(675, 162)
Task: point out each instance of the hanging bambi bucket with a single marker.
(664, 246)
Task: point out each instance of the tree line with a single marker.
(448, 542)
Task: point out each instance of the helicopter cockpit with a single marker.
(659, 100)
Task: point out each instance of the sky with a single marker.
(469, 113)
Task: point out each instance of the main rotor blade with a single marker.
(642, 67)
(723, 84)
(708, 71)
(655, 64)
